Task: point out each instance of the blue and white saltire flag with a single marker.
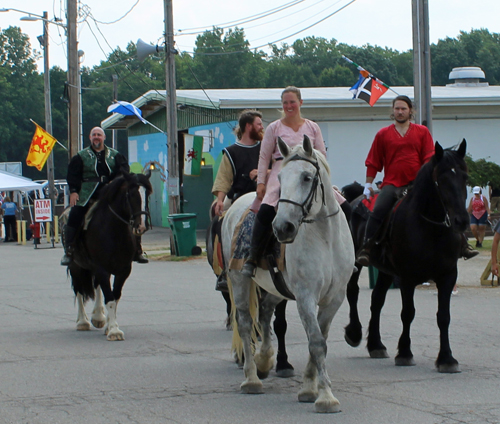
(126, 108)
(362, 76)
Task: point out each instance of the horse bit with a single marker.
(307, 203)
(131, 220)
(447, 220)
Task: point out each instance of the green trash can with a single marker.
(373, 275)
(183, 226)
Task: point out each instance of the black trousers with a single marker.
(10, 224)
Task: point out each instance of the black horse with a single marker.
(422, 241)
(106, 246)
(283, 368)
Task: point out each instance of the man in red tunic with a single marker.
(400, 150)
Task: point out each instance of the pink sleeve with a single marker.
(266, 152)
(319, 143)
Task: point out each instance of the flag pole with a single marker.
(359, 68)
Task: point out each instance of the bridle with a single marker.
(447, 221)
(131, 220)
(307, 203)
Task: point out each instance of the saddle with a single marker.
(381, 242)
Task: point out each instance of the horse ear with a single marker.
(148, 173)
(307, 146)
(438, 151)
(462, 148)
(285, 151)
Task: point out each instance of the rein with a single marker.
(132, 217)
(307, 203)
(447, 221)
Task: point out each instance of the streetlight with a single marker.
(44, 41)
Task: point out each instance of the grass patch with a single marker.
(167, 257)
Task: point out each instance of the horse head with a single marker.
(300, 178)
(138, 191)
(449, 175)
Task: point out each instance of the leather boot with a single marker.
(467, 251)
(260, 237)
(69, 238)
(372, 226)
(139, 256)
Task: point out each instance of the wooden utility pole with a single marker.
(422, 63)
(74, 101)
(48, 117)
(172, 142)
(114, 139)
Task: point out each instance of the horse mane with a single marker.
(299, 150)
(424, 177)
(109, 192)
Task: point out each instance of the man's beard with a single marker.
(403, 120)
(256, 135)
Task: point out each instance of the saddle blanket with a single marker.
(240, 244)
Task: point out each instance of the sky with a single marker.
(386, 23)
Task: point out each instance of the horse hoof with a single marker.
(308, 397)
(448, 368)
(351, 342)
(98, 323)
(115, 336)
(262, 374)
(404, 362)
(83, 327)
(285, 373)
(379, 354)
(252, 388)
(327, 406)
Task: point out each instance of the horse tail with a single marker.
(82, 282)
(237, 344)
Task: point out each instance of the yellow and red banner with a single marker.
(41, 146)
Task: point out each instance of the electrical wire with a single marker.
(119, 19)
(243, 20)
(275, 41)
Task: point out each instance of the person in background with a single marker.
(494, 193)
(9, 210)
(494, 249)
(480, 213)
(291, 128)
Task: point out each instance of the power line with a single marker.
(243, 20)
(119, 19)
(275, 41)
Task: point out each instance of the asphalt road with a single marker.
(175, 365)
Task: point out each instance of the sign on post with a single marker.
(43, 210)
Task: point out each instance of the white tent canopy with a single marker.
(11, 182)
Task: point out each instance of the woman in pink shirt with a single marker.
(480, 212)
(291, 128)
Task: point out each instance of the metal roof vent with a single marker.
(467, 76)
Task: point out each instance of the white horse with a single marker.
(319, 261)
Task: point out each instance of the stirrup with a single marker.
(363, 257)
(141, 259)
(249, 269)
(469, 252)
(221, 284)
(65, 260)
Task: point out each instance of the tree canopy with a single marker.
(221, 59)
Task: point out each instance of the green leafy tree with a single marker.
(21, 88)
(482, 173)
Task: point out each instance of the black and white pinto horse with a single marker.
(422, 243)
(107, 247)
(319, 261)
